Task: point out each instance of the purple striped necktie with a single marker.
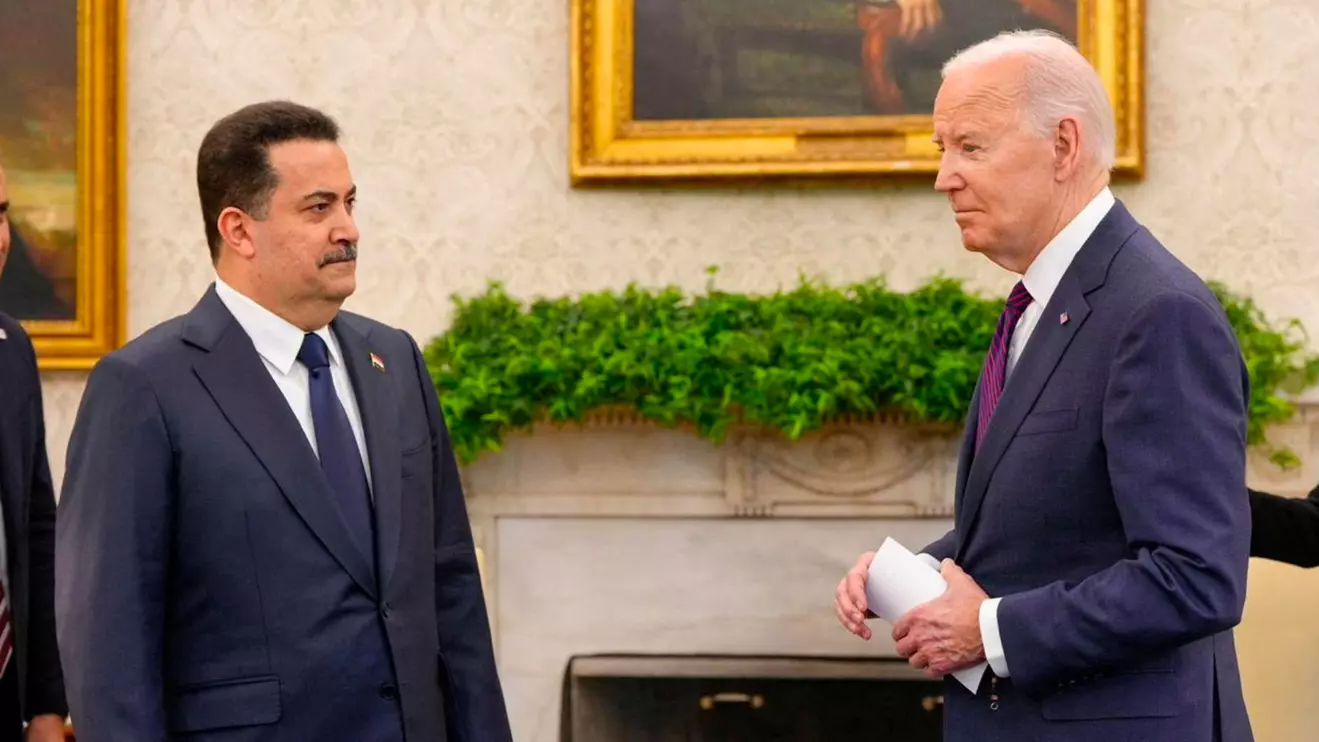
(996, 364)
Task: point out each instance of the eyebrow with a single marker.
(328, 195)
(961, 137)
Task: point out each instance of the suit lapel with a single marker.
(236, 379)
(1036, 364)
(379, 409)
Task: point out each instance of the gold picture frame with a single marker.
(609, 145)
(93, 321)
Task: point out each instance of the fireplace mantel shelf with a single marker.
(631, 468)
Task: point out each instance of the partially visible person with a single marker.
(31, 682)
(907, 41)
(25, 292)
(262, 532)
(1285, 529)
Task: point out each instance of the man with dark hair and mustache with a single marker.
(262, 533)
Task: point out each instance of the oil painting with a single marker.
(666, 89)
(61, 146)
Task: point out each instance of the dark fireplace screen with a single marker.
(646, 698)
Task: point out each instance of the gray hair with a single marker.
(1060, 82)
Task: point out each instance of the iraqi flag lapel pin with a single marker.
(377, 362)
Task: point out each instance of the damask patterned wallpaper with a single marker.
(456, 118)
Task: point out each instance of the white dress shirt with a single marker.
(1041, 280)
(278, 342)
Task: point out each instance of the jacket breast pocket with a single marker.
(227, 703)
(1049, 421)
(417, 460)
(1147, 692)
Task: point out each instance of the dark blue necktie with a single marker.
(341, 460)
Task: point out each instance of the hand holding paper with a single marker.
(898, 582)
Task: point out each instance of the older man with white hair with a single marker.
(1099, 550)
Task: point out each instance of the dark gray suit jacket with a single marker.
(1107, 507)
(208, 588)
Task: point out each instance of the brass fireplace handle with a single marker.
(754, 700)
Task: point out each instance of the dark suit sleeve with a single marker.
(1174, 427)
(475, 708)
(943, 548)
(111, 552)
(1285, 529)
(45, 680)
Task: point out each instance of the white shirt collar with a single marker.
(275, 339)
(1047, 270)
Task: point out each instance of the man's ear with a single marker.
(1066, 149)
(234, 225)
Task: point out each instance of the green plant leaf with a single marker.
(789, 361)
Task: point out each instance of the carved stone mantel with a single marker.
(617, 465)
(622, 535)
(621, 465)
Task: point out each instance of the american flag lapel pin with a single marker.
(377, 362)
(1063, 318)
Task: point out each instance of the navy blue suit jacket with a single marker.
(28, 501)
(1107, 507)
(207, 588)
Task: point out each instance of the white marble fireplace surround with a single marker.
(623, 537)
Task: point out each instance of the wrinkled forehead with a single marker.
(983, 97)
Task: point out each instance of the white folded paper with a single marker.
(899, 581)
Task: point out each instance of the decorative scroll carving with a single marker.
(617, 464)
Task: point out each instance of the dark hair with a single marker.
(233, 163)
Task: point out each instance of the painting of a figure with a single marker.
(748, 59)
(38, 149)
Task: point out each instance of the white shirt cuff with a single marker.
(989, 636)
(934, 563)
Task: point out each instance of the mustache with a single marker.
(347, 251)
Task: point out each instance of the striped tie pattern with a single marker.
(996, 364)
(6, 632)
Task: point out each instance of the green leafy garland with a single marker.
(790, 361)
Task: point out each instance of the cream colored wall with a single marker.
(456, 119)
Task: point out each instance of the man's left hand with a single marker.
(45, 728)
(943, 635)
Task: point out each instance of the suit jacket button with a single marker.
(388, 692)
(384, 611)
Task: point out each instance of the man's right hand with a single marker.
(918, 16)
(850, 598)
